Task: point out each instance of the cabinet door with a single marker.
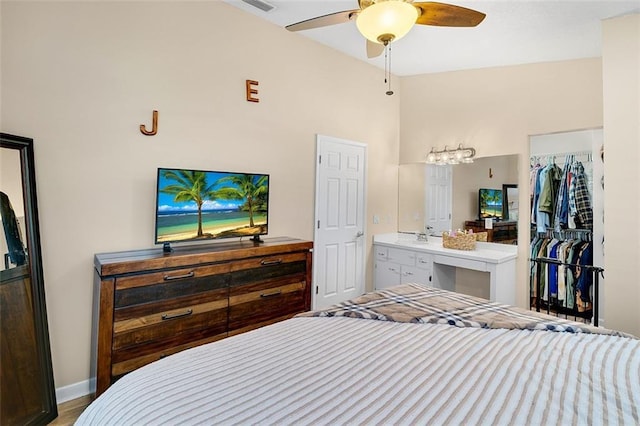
(387, 274)
(424, 261)
(413, 274)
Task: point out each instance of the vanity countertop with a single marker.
(486, 252)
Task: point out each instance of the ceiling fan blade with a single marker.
(447, 15)
(374, 49)
(323, 21)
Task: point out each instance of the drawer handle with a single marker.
(275, 293)
(179, 277)
(174, 316)
(270, 262)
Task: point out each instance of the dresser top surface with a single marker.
(155, 258)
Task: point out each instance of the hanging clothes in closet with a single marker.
(559, 285)
(560, 198)
(562, 221)
(546, 183)
(580, 206)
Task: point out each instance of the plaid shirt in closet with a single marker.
(580, 199)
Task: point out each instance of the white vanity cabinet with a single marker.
(399, 259)
(398, 266)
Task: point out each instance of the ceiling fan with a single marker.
(384, 21)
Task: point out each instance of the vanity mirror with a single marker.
(455, 192)
(26, 385)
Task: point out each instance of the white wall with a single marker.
(621, 74)
(80, 77)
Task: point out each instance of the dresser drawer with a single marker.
(160, 322)
(255, 305)
(271, 267)
(166, 285)
(127, 360)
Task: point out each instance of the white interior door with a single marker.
(338, 254)
(438, 198)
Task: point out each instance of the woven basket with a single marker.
(481, 236)
(459, 242)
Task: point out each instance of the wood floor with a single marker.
(69, 411)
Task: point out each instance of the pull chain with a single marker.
(387, 67)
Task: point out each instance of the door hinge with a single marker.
(319, 159)
(316, 289)
(318, 224)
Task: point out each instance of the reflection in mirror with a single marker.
(510, 202)
(467, 179)
(12, 231)
(411, 197)
(26, 375)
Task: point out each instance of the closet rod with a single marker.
(566, 230)
(557, 262)
(562, 154)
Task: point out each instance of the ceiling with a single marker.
(514, 32)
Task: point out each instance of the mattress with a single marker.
(353, 369)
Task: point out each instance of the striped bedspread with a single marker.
(337, 370)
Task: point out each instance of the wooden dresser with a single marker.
(503, 232)
(149, 304)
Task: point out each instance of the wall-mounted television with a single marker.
(194, 205)
(490, 203)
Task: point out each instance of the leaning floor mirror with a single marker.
(26, 384)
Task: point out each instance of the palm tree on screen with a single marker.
(484, 202)
(191, 185)
(251, 188)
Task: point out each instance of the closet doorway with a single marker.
(577, 158)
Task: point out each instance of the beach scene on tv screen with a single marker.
(194, 205)
(490, 203)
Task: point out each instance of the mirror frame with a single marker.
(32, 241)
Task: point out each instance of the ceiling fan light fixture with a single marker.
(387, 20)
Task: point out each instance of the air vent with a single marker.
(260, 4)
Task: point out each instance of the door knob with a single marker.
(359, 234)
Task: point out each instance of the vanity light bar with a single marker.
(448, 156)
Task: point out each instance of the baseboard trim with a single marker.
(75, 390)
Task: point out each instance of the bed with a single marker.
(405, 355)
